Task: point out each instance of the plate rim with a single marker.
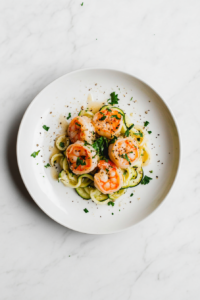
(178, 136)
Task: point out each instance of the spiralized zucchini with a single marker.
(86, 113)
(127, 175)
(136, 133)
(116, 195)
(71, 180)
(144, 155)
(62, 142)
(98, 197)
(64, 164)
(56, 158)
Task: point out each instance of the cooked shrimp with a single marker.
(109, 178)
(108, 122)
(82, 159)
(124, 152)
(81, 129)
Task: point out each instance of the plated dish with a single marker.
(48, 128)
(102, 153)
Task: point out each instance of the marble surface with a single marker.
(159, 42)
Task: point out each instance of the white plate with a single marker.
(68, 94)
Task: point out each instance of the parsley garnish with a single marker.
(86, 143)
(151, 171)
(82, 4)
(108, 109)
(131, 195)
(146, 123)
(139, 133)
(69, 116)
(127, 131)
(86, 210)
(112, 214)
(45, 127)
(131, 98)
(111, 203)
(149, 132)
(61, 144)
(77, 124)
(80, 162)
(101, 146)
(125, 156)
(107, 170)
(146, 180)
(102, 118)
(48, 165)
(115, 116)
(114, 99)
(113, 140)
(34, 154)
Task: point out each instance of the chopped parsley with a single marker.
(101, 146)
(80, 162)
(127, 131)
(86, 210)
(86, 143)
(108, 109)
(131, 195)
(69, 116)
(82, 4)
(102, 118)
(112, 214)
(113, 140)
(139, 133)
(111, 203)
(151, 171)
(77, 124)
(146, 123)
(146, 180)
(34, 154)
(125, 156)
(45, 127)
(115, 116)
(114, 99)
(48, 165)
(107, 170)
(149, 132)
(62, 145)
(131, 99)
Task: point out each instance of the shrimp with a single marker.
(82, 159)
(108, 122)
(109, 178)
(124, 152)
(82, 129)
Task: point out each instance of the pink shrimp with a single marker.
(82, 159)
(82, 129)
(108, 122)
(109, 178)
(124, 152)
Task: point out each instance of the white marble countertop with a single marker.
(159, 42)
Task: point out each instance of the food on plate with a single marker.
(102, 154)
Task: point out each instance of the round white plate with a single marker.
(68, 94)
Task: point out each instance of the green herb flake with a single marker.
(146, 123)
(102, 118)
(131, 195)
(139, 133)
(127, 131)
(113, 140)
(107, 170)
(77, 124)
(82, 3)
(47, 166)
(108, 109)
(151, 171)
(86, 210)
(146, 180)
(45, 127)
(111, 203)
(125, 156)
(80, 162)
(114, 99)
(115, 116)
(131, 99)
(101, 146)
(34, 154)
(112, 214)
(69, 116)
(149, 132)
(86, 143)
(62, 145)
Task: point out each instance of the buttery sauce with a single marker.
(93, 106)
(63, 125)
